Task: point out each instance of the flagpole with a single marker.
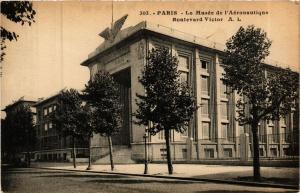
(112, 13)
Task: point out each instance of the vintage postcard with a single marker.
(89, 104)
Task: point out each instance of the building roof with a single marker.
(150, 27)
(145, 26)
(19, 101)
(45, 100)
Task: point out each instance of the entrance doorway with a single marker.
(124, 81)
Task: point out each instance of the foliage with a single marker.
(18, 12)
(102, 95)
(69, 113)
(168, 104)
(267, 92)
(18, 131)
(268, 95)
(71, 118)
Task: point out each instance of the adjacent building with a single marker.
(213, 132)
(5, 143)
(21, 103)
(52, 144)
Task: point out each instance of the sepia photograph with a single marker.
(150, 96)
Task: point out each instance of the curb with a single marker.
(235, 182)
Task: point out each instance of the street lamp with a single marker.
(146, 153)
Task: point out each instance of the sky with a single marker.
(47, 56)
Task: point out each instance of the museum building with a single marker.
(213, 132)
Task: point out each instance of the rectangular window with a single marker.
(50, 125)
(224, 110)
(184, 77)
(224, 130)
(261, 129)
(184, 153)
(39, 113)
(46, 127)
(261, 152)
(286, 151)
(205, 107)
(270, 129)
(242, 129)
(204, 64)
(163, 153)
(205, 85)
(205, 130)
(283, 121)
(286, 134)
(185, 133)
(50, 109)
(285, 130)
(261, 133)
(272, 132)
(54, 107)
(183, 62)
(209, 153)
(223, 90)
(227, 152)
(65, 156)
(273, 152)
(161, 135)
(45, 111)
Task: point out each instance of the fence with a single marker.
(59, 154)
(271, 146)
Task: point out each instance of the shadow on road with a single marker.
(231, 191)
(81, 176)
(244, 176)
(29, 172)
(114, 179)
(137, 181)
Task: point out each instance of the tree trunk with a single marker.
(146, 156)
(74, 152)
(28, 159)
(28, 151)
(90, 153)
(110, 153)
(256, 164)
(167, 138)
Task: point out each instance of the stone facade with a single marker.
(213, 132)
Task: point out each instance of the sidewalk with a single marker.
(271, 175)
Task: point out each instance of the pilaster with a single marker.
(198, 126)
(216, 101)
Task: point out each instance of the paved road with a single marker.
(32, 180)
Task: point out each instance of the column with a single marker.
(291, 133)
(244, 145)
(217, 100)
(279, 137)
(198, 101)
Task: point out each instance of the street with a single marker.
(31, 180)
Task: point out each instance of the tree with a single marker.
(168, 104)
(19, 133)
(18, 12)
(85, 119)
(267, 94)
(68, 117)
(102, 95)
